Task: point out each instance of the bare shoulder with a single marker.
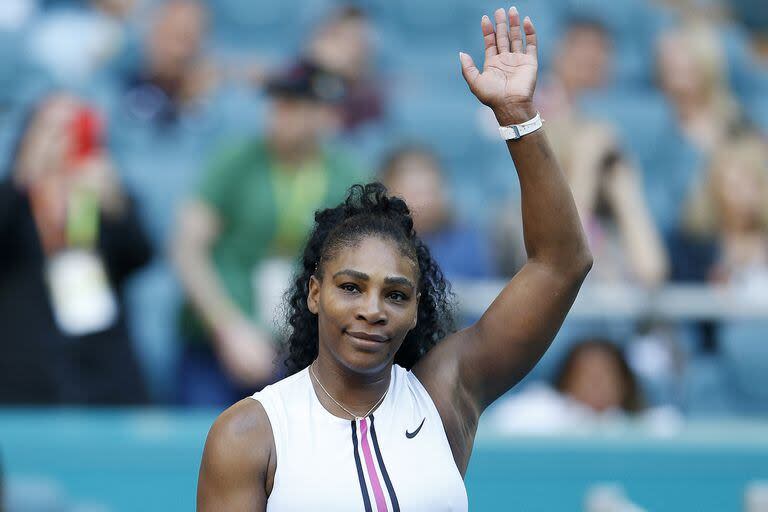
(239, 460)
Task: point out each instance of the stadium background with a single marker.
(697, 348)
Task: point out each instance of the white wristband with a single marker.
(516, 131)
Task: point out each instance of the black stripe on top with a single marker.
(360, 477)
(387, 481)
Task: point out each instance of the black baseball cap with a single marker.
(306, 80)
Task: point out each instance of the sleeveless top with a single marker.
(397, 458)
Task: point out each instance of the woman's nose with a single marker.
(371, 310)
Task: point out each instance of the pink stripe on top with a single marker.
(381, 503)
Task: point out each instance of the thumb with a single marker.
(468, 69)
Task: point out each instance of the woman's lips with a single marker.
(368, 337)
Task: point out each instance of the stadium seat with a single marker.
(744, 347)
(271, 27)
(705, 389)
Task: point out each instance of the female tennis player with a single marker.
(382, 412)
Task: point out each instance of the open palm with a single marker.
(509, 71)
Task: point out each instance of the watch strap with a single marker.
(516, 131)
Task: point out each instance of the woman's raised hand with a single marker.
(508, 79)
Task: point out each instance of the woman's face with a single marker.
(595, 380)
(679, 75)
(366, 304)
(420, 183)
(344, 47)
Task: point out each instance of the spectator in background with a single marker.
(581, 63)
(415, 174)
(725, 228)
(174, 75)
(595, 374)
(692, 75)
(70, 240)
(625, 243)
(593, 386)
(342, 46)
(238, 237)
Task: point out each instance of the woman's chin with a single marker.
(367, 359)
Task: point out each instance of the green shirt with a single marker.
(265, 210)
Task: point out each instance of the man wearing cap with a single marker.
(237, 238)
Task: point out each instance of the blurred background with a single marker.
(161, 161)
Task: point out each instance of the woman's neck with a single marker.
(356, 391)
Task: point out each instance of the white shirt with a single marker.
(398, 458)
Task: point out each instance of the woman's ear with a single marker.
(313, 297)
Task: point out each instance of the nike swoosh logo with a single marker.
(411, 435)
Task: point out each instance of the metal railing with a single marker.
(672, 302)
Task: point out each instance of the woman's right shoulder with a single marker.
(241, 440)
(243, 425)
(238, 467)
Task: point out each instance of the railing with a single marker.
(674, 302)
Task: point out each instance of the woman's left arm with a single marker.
(480, 363)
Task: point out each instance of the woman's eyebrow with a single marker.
(355, 274)
(352, 273)
(399, 280)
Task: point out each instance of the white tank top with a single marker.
(398, 458)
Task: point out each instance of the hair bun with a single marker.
(373, 198)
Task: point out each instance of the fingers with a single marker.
(468, 69)
(489, 38)
(531, 45)
(515, 35)
(502, 31)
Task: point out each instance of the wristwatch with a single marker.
(516, 131)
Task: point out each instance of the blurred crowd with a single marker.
(163, 160)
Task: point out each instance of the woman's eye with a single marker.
(397, 296)
(347, 287)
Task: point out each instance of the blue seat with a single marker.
(705, 390)
(758, 113)
(747, 75)
(282, 24)
(637, 115)
(744, 346)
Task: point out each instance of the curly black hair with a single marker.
(367, 211)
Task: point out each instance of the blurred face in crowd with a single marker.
(678, 73)
(47, 141)
(417, 178)
(117, 8)
(740, 188)
(689, 66)
(176, 36)
(296, 124)
(583, 58)
(595, 379)
(343, 46)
